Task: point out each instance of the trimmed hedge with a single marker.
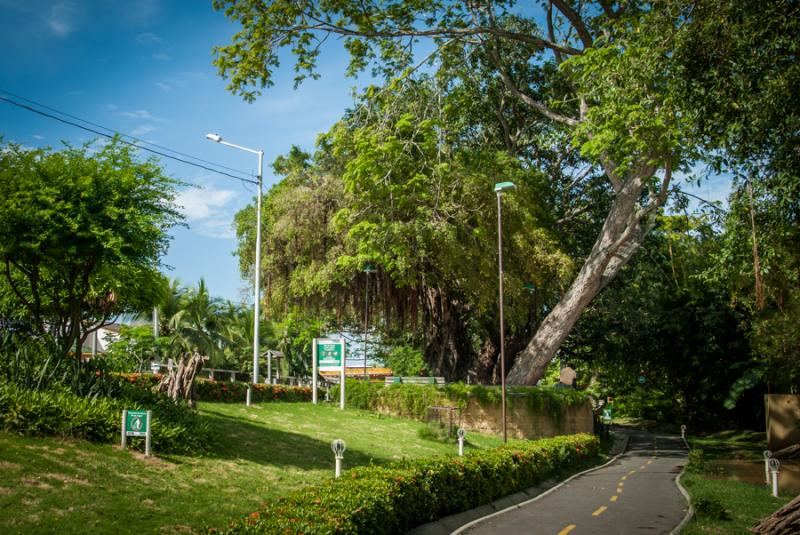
(412, 400)
(406, 494)
(227, 391)
(176, 429)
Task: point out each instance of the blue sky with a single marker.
(144, 68)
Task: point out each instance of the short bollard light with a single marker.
(461, 434)
(249, 394)
(683, 431)
(767, 456)
(338, 446)
(774, 466)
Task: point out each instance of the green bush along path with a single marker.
(259, 453)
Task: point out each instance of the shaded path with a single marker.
(635, 494)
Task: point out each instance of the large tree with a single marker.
(82, 232)
(598, 72)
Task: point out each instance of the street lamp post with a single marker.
(257, 283)
(368, 268)
(499, 188)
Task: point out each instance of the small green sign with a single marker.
(136, 423)
(608, 415)
(642, 379)
(329, 355)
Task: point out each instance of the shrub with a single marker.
(403, 495)
(412, 400)
(227, 391)
(58, 412)
(711, 507)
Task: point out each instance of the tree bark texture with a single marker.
(447, 348)
(785, 521)
(179, 384)
(621, 236)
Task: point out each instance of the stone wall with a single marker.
(783, 420)
(522, 421)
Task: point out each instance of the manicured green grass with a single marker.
(743, 504)
(724, 505)
(731, 444)
(262, 452)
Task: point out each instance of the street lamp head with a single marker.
(503, 186)
(369, 268)
(216, 138)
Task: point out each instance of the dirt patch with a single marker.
(60, 451)
(7, 465)
(35, 483)
(156, 462)
(5, 491)
(178, 528)
(30, 502)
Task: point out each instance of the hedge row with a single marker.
(406, 494)
(228, 391)
(412, 400)
(176, 429)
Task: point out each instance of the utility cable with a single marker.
(131, 143)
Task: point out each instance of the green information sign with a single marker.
(608, 415)
(329, 356)
(136, 423)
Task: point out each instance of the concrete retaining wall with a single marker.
(523, 421)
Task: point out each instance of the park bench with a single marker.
(438, 381)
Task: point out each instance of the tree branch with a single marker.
(576, 21)
(527, 99)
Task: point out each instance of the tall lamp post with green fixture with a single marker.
(368, 268)
(216, 138)
(499, 188)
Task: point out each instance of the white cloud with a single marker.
(143, 130)
(61, 20)
(205, 204)
(139, 114)
(161, 56)
(148, 38)
(163, 87)
(37, 136)
(217, 228)
(111, 107)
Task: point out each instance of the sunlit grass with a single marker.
(262, 452)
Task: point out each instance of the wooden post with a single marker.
(124, 433)
(149, 433)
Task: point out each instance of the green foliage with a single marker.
(398, 497)
(711, 507)
(697, 461)
(134, 349)
(405, 361)
(82, 232)
(413, 400)
(58, 412)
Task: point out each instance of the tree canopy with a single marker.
(82, 232)
(593, 93)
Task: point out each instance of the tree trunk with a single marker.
(447, 346)
(621, 236)
(179, 384)
(785, 521)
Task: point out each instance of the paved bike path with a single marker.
(635, 494)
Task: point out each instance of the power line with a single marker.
(132, 144)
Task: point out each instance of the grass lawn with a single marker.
(726, 506)
(262, 452)
(743, 504)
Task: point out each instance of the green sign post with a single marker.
(607, 415)
(328, 355)
(137, 424)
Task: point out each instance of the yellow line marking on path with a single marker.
(623, 478)
(641, 467)
(614, 498)
(600, 510)
(650, 461)
(620, 484)
(632, 472)
(566, 529)
(619, 490)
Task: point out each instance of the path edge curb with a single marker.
(545, 493)
(690, 511)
